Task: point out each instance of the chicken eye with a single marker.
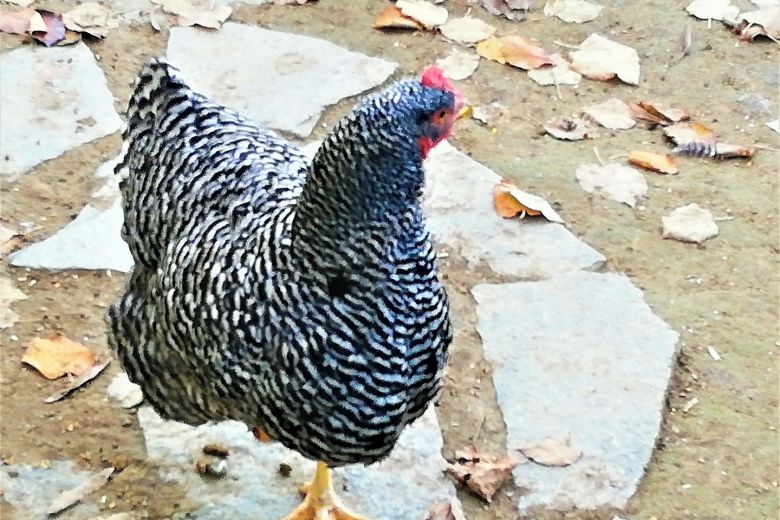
(442, 114)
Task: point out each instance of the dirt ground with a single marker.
(717, 461)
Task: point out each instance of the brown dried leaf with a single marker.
(654, 162)
(733, 151)
(685, 133)
(17, 22)
(482, 474)
(204, 13)
(56, 356)
(424, 12)
(445, 511)
(519, 51)
(392, 18)
(653, 115)
(55, 28)
(552, 452)
(510, 201)
(80, 381)
(569, 128)
(511, 9)
(602, 59)
(458, 65)
(559, 74)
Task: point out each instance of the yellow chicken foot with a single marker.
(320, 501)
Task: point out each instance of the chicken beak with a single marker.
(466, 111)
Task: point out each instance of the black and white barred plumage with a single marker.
(301, 299)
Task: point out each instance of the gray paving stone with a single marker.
(53, 100)
(459, 207)
(91, 241)
(31, 489)
(400, 488)
(284, 82)
(583, 355)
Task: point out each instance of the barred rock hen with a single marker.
(301, 299)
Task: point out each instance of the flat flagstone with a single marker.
(53, 100)
(92, 241)
(579, 355)
(30, 489)
(400, 488)
(283, 82)
(460, 214)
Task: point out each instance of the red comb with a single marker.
(434, 77)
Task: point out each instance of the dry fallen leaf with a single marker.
(510, 202)
(511, 9)
(467, 30)
(392, 18)
(654, 162)
(445, 511)
(552, 452)
(559, 74)
(56, 356)
(653, 115)
(689, 223)
(768, 19)
(18, 22)
(458, 65)
(573, 11)
(8, 295)
(713, 10)
(79, 381)
(72, 496)
(612, 114)
(488, 114)
(615, 181)
(518, 51)
(205, 13)
(685, 133)
(569, 128)
(90, 18)
(602, 59)
(55, 28)
(482, 474)
(424, 12)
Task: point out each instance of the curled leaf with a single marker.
(480, 473)
(424, 12)
(510, 202)
(392, 18)
(54, 31)
(654, 162)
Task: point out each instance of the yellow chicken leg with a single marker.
(321, 502)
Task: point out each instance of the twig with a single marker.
(558, 90)
(764, 147)
(618, 156)
(567, 45)
(598, 156)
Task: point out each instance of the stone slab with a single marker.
(579, 355)
(283, 80)
(54, 99)
(402, 487)
(459, 207)
(91, 241)
(31, 489)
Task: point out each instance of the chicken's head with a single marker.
(437, 117)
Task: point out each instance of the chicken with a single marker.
(300, 298)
